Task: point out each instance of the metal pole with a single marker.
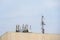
(43, 30)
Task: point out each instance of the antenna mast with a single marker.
(43, 30)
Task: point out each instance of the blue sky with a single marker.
(29, 12)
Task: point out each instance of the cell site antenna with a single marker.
(42, 23)
(30, 29)
(17, 28)
(25, 28)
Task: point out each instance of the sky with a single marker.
(29, 12)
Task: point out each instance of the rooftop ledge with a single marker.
(29, 36)
(27, 33)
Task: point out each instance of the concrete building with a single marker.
(29, 36)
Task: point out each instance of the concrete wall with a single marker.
(29, 36)
(4, 36)
(0, 38)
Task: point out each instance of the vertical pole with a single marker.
(43, 31)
